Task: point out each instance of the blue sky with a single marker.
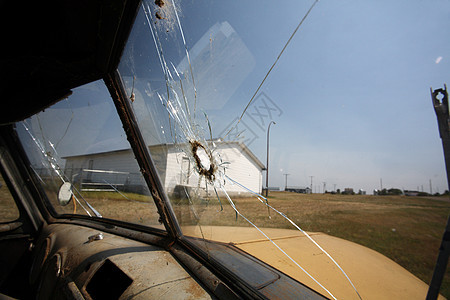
(353, 88)
(350, 95)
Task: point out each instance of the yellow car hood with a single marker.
(374, 275)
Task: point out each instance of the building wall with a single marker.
(159, 157)
(174, 169)
(173, 176)
(122, 161)
(241, 168)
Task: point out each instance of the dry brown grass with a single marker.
(137, 209)
(8, 211)
(406, 229)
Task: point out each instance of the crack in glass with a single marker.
(192, 141)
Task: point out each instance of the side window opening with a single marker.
(8, 208)
(79, 152)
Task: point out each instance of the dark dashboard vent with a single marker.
(109, 282)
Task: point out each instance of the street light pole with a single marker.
(267, 163)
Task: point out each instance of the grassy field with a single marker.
(406, 229)
(8, 209)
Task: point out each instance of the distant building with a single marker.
(299, 190)
(348, 191)
(411, 193)
(119, 170)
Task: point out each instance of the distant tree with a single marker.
(391, 191)
(423, 194)
(395, 192)
(383, 192)
(338, 191)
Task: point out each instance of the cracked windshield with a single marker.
(79, 152)
(290, 128)
(281, 127)
(302, 132)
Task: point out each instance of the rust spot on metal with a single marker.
(193, 288)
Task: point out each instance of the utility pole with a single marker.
(311, 183)
(431, 188)
(381, 184)
(324, 186)
(285, 182)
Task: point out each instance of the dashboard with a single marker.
(73, 261)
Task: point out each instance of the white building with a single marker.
(119, 170)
